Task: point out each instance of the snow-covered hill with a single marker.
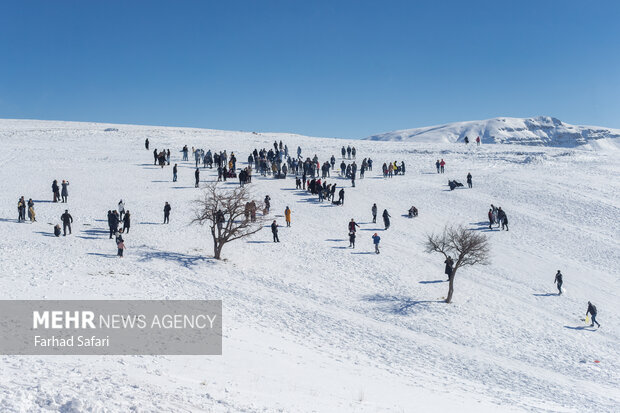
(538, 131)
(309, 324)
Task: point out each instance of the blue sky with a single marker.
(333, 68)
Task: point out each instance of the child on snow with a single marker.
(120, 244)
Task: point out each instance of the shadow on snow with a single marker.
(398, 304)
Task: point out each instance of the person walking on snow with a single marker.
(374, 213)
(174, 173)
(593, 312)
(478, 141)
(67, 220)
(146, 144)
(501, 216)
(341, 196)
(442, 164)
(558, 281)
(386, 219)
(469, 184)
(287, 216)
(438, 164)
(375, 240)
(167, 209)
(274, 231)
(197, 176)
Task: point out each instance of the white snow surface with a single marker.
(309, 324)
(537, 131)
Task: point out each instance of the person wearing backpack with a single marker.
(593, 312)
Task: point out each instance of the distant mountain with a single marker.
(538, 131)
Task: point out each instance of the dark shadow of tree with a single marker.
(184, 260)
(398, 304)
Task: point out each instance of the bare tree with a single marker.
(230, 215)
(466, 246)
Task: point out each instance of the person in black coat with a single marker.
(559, 281)
(352, 239)
(113, 221)
(174, 173)
(448, 270)
(274, 231)
(341, 196)
(197, 176)
(167, 209)
(501, 216)
(469, 179)
(56, 190)
(154, 156)
(374, 213)
(126, 222)
(110, 221)
(593, 312)
(386, 218)
(67, 220)
(146, 144)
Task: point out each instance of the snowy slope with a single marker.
(311, 325)
(538, 131)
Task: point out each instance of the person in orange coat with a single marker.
(287, 215)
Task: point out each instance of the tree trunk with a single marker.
(451, 287)
(217, 248)
(218, 251)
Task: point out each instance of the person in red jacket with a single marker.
(442, 164)
(478, 141)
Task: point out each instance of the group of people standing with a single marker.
(393, 168)
(22, 207)
(498, 217)
(58, 193)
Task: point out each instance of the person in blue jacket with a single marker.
(375, 240)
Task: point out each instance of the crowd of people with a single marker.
(309, 173)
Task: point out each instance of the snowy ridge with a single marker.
(309, 324)
(538, 131)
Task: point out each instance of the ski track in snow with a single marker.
(309, 324)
